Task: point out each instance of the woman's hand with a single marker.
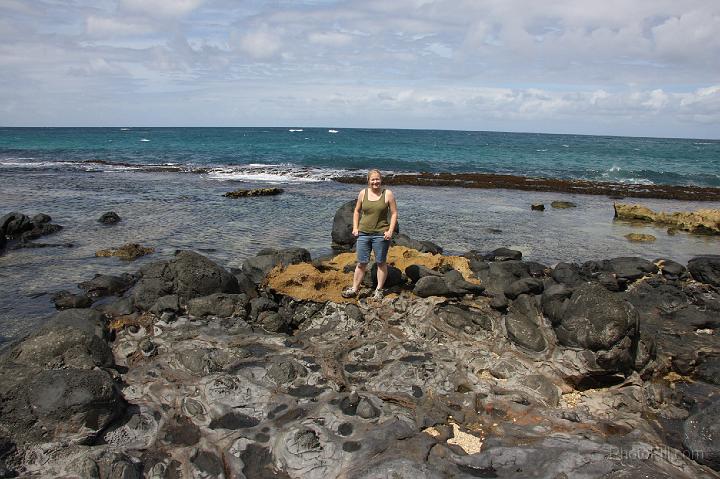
(388, 234)
(356, 233)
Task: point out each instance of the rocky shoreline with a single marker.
(479, 365)
(490, 180)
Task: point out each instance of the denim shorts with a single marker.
(377, 242)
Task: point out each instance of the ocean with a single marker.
(167, 184)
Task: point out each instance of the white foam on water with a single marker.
(274, 173)
(332, 131)
(295, 129)
(144, 139)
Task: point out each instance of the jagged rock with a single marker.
(74, 338)
(170, 302)
(107, 285)
(671, 269)
(503, 254)
(256, 192)
(629, 269)
(537, 207)
(245, 283)
(522, 324)
(602, 322)
(219, 304)
(415, 272)
(129, 251)
(524, 286)
(18, 226)
(554, 302)
(109, 218)
(60, 405)
(567, 273)
(422, 246)
(451, 283)
(189, 275)
(702, 221)
(67, 300)
(258, 266)
(706, 269)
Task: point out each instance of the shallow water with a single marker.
(171, 211)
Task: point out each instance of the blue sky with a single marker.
(622, 67)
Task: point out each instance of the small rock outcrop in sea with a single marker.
(481, 365)
(109, 218)
(256, 192)
(537, 207)
(563, 204)
(702, 221)
(640, 237)
(18, 230)
(128, 251)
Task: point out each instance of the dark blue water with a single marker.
(320, 153)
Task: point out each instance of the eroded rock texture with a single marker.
(574, 376)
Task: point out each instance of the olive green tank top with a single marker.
(373, 217)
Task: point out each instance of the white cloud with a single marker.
(331, 39)
(102, 27)
(260, 43)
(160, 8)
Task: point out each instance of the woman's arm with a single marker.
(393, 214)
(356, 213)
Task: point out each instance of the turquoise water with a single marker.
(322, 154)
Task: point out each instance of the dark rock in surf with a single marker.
(67, 300)
(109, 218)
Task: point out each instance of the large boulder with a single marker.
(601, 322)
(75, 338)
(257, 267)
(523, 324)
(188, 275)
(342, 237)
(60, 405)
(701, 435)
(706, 269)
(629, 269)
(343, 240)
(449, 284)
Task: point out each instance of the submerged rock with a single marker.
(256, 192)
(128, 251)
(109, 218)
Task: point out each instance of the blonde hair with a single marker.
(372, 172)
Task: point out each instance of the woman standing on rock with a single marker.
(373, 231)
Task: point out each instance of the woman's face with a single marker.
(375, 181)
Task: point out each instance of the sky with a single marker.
(612, 67)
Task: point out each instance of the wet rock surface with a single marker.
(18, 230)
(509, 369)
